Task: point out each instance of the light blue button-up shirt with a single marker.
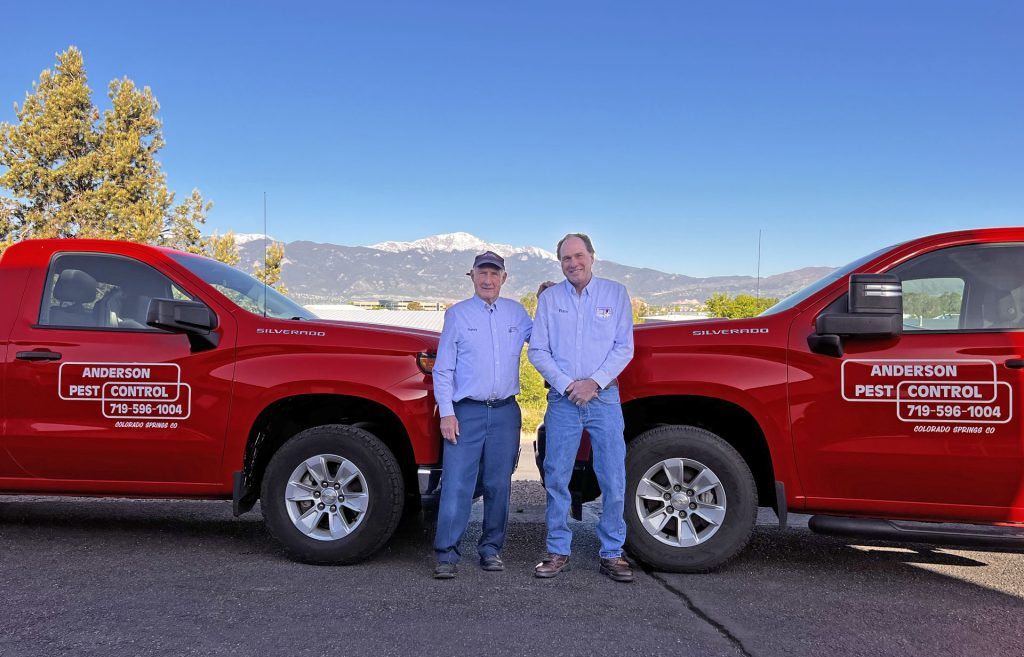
(478, 356)
(582, 336)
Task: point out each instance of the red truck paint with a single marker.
(141, 413)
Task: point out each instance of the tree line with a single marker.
(70, 170)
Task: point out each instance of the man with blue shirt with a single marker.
(476, 379)
(582, 339)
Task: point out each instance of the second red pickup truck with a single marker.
(881, 396)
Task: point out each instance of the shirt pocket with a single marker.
(514, 340)
(604, 323)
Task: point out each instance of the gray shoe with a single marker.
(492, 563)
(445, 570)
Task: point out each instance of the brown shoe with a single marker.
(617, 569)
(552, 565)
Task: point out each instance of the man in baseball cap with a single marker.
(476, 379)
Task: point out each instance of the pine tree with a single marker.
(69, 174)
(183, 232)
(51, 157)
(271, 274)
(223, 248)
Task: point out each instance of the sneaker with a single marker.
(551, 565)
(445, 570)
(492, 563)
(617, 569)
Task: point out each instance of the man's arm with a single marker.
(622, 349)
(540, 353)
(444, 367)
(525, 324)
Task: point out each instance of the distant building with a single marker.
(427, 320)
(676, 317)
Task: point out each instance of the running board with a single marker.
(906, 531)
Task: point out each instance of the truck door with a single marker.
(96, 397)
(926, 425)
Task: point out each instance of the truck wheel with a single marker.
(691, 500)
(332, 494)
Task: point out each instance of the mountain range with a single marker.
(434, 268)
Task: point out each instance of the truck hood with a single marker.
(330, 333)
(753, 330)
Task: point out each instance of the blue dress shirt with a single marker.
(582, 336)
(478, 356)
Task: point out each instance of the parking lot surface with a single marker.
(129, 577)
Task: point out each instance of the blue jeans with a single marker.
(488, 443)
(564, 423)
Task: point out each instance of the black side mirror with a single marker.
(192, 318)
(875, 311)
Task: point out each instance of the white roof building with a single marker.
(427, 320)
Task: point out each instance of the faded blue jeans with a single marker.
(487, 447)
(564, 423)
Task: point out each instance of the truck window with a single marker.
(976, 287)
(100, 291)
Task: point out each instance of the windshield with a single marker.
(242, 288)
(823, 282)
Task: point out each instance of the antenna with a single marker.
(265, 247)
(759, 231)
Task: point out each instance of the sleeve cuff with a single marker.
(445, 409)
(562, 383)
(601, 379)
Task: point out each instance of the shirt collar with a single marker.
(586, 290)
(487, 306)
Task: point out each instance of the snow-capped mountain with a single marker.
(245, 238)
(434, 268)
(451, 242)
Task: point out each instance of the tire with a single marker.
(697, 536)
(364, 487)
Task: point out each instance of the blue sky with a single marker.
(670, 131)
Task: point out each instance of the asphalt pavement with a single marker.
(141, 577)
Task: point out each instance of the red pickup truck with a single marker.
(884, 398)
(140, 371)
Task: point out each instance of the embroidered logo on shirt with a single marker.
(604, 313)
(563, 310)
(513, 329)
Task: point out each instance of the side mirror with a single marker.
(192, 318)
(876, 311)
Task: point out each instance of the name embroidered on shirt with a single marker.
(563, 310)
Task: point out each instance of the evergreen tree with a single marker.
(223, 248)
(69, 174)
(271, 273)
(50, 156)
(183, 232)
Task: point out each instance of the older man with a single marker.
(476, 379)
(582, 339)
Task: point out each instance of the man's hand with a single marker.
(543, 286)
(582, 391)
(450, 429)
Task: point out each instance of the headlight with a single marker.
(425, 361)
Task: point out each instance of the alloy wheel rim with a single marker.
(326, 497)
(680, 502)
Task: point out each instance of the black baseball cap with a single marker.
(489, 258)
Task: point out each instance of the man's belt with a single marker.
(490, 403)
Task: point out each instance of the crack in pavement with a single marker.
(701, 614)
